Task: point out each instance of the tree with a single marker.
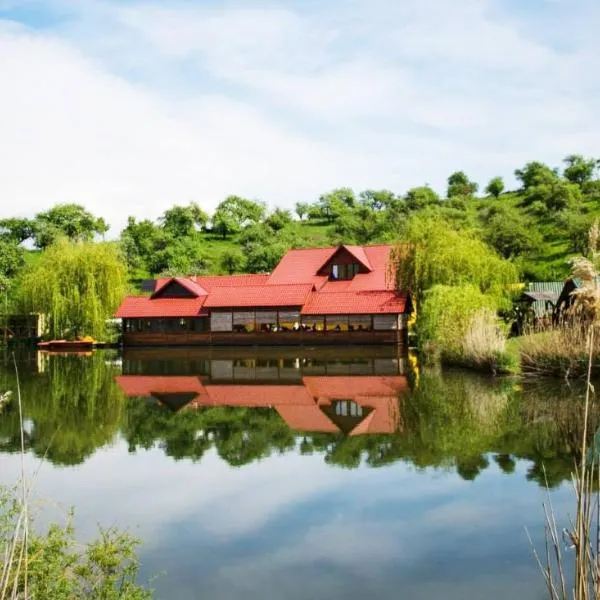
(511, 235)
(77, 286)
(460, 185)
(279, 219)
(555, 195)
(333, 203)
(235, 213)
(16, 229)
(419, 197)
(495, 187)
(183, 220)
(302, 209)
(232, 260)
(12, 258)
(141, 241)
(363, 225)
(435, 253)
(535, 173)
(377, 199)
(69, 220)
(579, 169)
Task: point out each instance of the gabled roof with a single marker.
(354, 303)
(301, 266)
(191, 286)
(357, 252)
(139, 307)
(249, 296)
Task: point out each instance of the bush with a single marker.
(459, 324)
(53, 565)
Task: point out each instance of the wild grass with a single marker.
(560, 351)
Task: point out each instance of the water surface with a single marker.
(299, 473)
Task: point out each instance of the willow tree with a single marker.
(77, 286)
(433, 253)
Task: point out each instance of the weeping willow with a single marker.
(77, 286)
(434, 252)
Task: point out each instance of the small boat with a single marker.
(67, 345)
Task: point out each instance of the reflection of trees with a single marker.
(70, 409)
(240, 435)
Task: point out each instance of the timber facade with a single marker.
(319, 296)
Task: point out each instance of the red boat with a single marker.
(67, 345)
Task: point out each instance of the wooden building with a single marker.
(317, 296)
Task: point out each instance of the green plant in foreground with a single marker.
(52, 565)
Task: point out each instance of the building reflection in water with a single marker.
(352, 393)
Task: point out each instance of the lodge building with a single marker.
(314, 296)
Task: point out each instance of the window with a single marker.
(344, 272)
(266, 321)
(221, 321)
(385, 322)
(244, 322)
(310, 324)
(200, 324)
(348, 408)
(359, 323)
(289, 320)
(337, 323)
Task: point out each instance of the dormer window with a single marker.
(341, 272)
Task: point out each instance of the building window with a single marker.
(360, 323)
(266, 321)
(313, 323)
(201, 324)
(385, 322)
(344, 272)
(244, 322)
(221, 321)
(289, 320)
(337, 323)
(348, 408)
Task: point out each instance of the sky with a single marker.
(129, 107)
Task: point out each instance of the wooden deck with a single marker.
(295, 338)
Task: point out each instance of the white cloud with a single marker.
(131, 109)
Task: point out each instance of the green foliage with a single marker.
(555, 196)
(421, 197)
(16, 229)
(435, 253)
(181, 221)
(232, 261)
(535, 173)
(279, 219)
(336, 202)
(78, 286)
(579, 169)
(495, 187)
(12, 258)
(460, 185)
(302, 209)
(66, 220)
(510, 234)
(58, 567)
(446, 313)
(234, 213)
(378, 199)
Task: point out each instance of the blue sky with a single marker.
(129, 107)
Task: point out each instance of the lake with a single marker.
(299, 473)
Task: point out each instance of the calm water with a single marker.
(267, 474)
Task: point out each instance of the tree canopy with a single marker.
(78, 286)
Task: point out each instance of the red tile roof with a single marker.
(301, 266)
(213, 281)
(353, 303)
(347, 386)
(188, 284)
(249, 296)
(290, 285)
(138, 307)
(360, 255)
